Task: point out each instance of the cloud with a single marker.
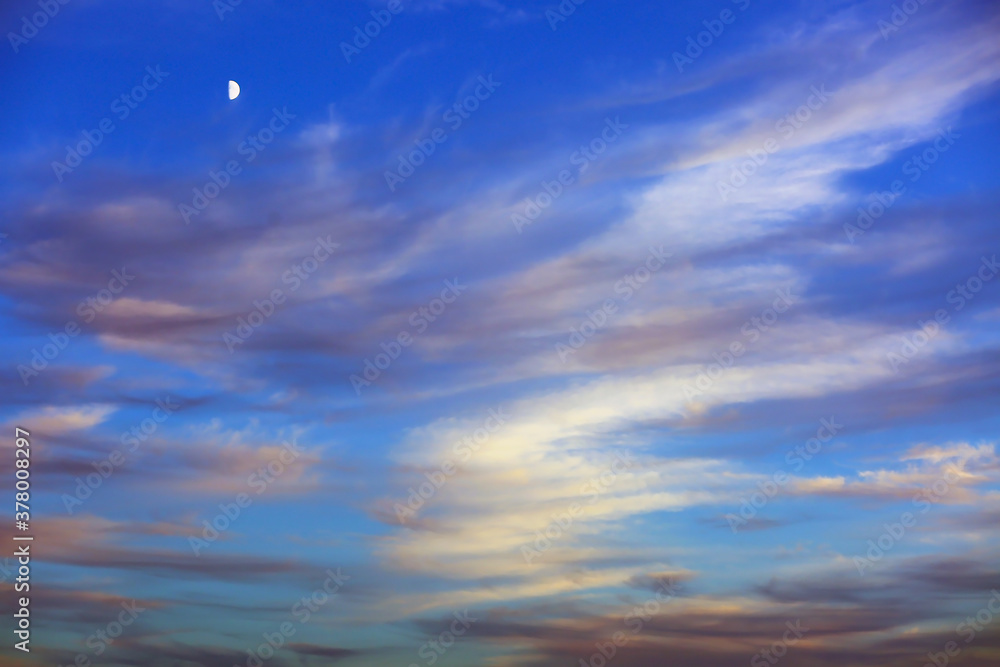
(953, 469)
(52, 420)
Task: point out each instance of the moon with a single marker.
(234, 90)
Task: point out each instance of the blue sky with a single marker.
(526, 318)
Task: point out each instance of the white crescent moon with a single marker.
(234, 90)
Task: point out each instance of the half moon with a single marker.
(234, 90)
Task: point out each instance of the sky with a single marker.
(495, 333)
